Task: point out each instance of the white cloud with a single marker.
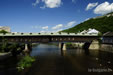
(86, 19)
(52, 3)
(70, 23)
(59, 30)
(59, 26)
(54, 31)
(35, 27)
(104, 8)
(43, 7)
(42, 31)
(36, 2)
(51, 31)
(91, 5)
(46, 27)
(48, 3)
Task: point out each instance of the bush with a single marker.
(25, 62)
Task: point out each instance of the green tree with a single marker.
(3, 31)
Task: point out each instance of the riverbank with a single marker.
(93, 46)
(106, 47)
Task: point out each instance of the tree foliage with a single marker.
(3, 31)
(103, 24)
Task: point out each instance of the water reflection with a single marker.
(8, 66)
(86, 51)
(44, 50)
(80, 59)
(63, 52)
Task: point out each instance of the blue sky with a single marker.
(49, 15)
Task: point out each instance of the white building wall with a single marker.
(6, 28)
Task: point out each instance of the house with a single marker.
(93, 31)
(6, 28)
(107, 38)
(90, 31)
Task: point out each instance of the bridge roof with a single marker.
(108, 34)
(46, 34)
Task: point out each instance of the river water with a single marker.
(50, 60)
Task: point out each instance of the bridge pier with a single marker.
(63, 46)
(94, 45)
(27, 49)
(59, 45)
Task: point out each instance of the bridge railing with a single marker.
(21, 34)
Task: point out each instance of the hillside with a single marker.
(103, 24)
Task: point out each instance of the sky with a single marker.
(49, 15)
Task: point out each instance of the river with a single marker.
(50, 60)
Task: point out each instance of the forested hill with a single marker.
(103, 24)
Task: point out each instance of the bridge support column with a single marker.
(59, 45)
(63, 46)
(26, 50)
(94, 45)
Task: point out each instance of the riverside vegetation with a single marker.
(25, 62)
(16, 49)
